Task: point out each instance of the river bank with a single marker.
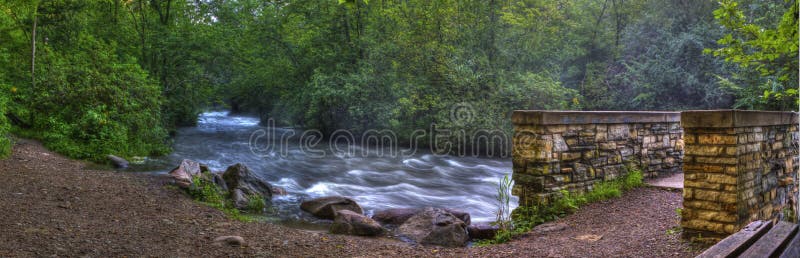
(56, 206)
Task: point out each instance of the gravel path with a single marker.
(53, 206)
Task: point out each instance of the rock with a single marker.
(351, 223)
(326, 207)
(395, 216)
(239, 177)
(462, 215)
(117, 161)
(240, 199)
(549, 227)
(434, 226)
(184, 173)
(229, 240)
(482, 231)
(277, 190)
(218, 180)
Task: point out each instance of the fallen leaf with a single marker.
(589, 237)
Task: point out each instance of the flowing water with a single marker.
(375, 182)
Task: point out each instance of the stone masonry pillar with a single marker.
(739, 166)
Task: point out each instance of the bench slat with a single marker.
(793, 249)
(769, 245)
(737, 243)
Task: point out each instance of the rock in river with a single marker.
(326, 207)
(351, 223)
(243, 184)
(434, 226)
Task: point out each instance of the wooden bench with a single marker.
(759, 239)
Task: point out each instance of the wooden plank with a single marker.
(737, 243)
(793, 248)
(771, 243)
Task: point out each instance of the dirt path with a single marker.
(53, 206)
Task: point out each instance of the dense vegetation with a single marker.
(108, 76)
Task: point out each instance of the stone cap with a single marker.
(735, 118)
(542, 117)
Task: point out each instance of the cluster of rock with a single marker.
(428, 226)
(237, 180)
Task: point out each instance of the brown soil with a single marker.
(53, 206)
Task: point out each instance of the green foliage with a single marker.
(766, 53)
(206, 191)
(256, 203)
(114, 77)
(526, 217)
(5, 141)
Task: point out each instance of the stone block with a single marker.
(618, 132)
(568, 156)
(722, 179)
(729, 198)
(717, 139)
(706, 150)
(702, 185)
(703, 225)
(706, 195)
(559, 145)
(716, 160)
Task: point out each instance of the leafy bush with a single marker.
(207, 192)
(93, 102)
(255, 203)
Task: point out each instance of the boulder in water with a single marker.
(395, 216)
(326, 207)
(351, 223)
(434, 226)
(118, 162)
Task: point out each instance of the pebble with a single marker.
(229, 240)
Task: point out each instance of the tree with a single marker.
(766, 53)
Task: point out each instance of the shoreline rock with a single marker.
(242, 185)
(351, 223)
(482, 231)
(434, 226)
(326, 207)
(185, 172)
(118, 162)
(395, 216)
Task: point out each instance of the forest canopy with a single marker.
(99, 77)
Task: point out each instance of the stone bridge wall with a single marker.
(739, 166)
(555, 150)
